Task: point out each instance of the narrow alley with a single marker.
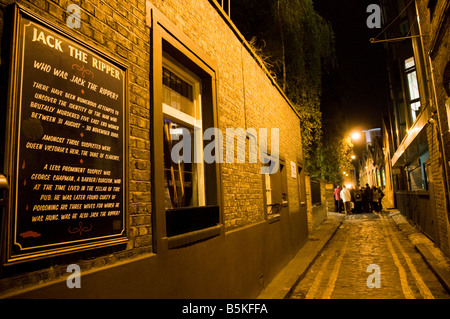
(366, 245)
(206, 150)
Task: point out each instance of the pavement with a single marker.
(285, 281)
(433, 256)
(283, 285)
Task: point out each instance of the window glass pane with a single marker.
(180, 177)
(283, 179)
(413, 115)
(268, 188)
(415, 179)
(274, 191)
(301, 183)
(415, 108)
(316, 196)
(404, 27)
(409, 63)
(177, 93)
(184, 179)
(413, 86)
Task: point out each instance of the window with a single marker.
(415, 178)
(424, 161)
(413, 88)
(432, 7)
(301, 185)
(404, 28)
(183, 144)
(185, 188)
(188, 189)
(446, 79)
(447, 107)
(275, 187)
(316, 197)
(418, 173)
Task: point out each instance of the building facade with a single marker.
(417, 45)
(371, 163)
(138, 140)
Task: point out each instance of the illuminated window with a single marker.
(275, 186)
(184, 171)
(413, 88)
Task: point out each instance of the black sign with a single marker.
(70, 133)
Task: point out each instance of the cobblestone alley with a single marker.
(341, 270)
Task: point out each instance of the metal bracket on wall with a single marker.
(3, 182)
(3, 186)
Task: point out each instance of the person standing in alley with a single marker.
(375, 197)
(337, 199)
(346, 198)
(352, 193)
(380, 205)
(367, 199)
(358, 200)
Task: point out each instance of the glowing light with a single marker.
(355, 136)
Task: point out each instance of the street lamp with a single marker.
(355, 136)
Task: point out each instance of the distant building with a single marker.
(372, 134)
(416, 131)
(371, 161)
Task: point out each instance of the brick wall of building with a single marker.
(246, 98)
(437, 52)
(243, 103)
(118, 29)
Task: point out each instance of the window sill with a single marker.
(193, 237)
(273, 218)
(190, 219)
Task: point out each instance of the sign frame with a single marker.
(12, 145)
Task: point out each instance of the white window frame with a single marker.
(409, 71)
(193, 122)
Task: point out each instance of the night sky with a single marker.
(353, 95)
(361, 75)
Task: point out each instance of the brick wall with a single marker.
(243, 103)
(317, 212)
(118, 29)
(246, 98)
(439, 46)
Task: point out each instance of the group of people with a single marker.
(360, 200)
